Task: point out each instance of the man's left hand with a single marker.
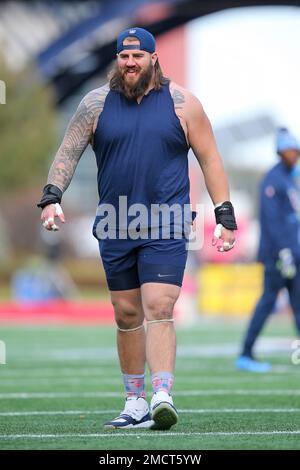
(226, 236)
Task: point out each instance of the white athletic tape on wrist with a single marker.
(171, 320)
(58, 209)
(218, 231)
(128, 330)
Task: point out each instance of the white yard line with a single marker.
(277, 346)
(6, 372)
(184, 411)
(118, 434)
(106, 379)
(58, 380)
(214, 392)
(112, 369)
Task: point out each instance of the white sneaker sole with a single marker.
(164, 416)
(145, 425)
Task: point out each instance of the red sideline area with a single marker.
(57, 312)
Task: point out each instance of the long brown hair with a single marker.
(159, 78)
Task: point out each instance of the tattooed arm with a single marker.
(77, 137)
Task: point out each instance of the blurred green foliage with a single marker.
(28, 131)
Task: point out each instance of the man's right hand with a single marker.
(48, 216)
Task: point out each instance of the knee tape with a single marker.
(167, 320)
(128, 330)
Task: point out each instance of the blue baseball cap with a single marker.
(286, 141)
(147, 41)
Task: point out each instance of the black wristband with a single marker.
(51, 195)
(225, 216)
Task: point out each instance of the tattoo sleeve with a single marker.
(77, 137)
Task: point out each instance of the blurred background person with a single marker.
(43, 278)
(279, 247)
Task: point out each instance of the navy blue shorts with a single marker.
(130, 263)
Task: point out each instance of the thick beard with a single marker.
(132, 92)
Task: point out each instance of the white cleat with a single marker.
(163, 412)
(135, 415)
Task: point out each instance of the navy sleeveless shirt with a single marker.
(141, 151)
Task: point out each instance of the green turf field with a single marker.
(61, 383)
